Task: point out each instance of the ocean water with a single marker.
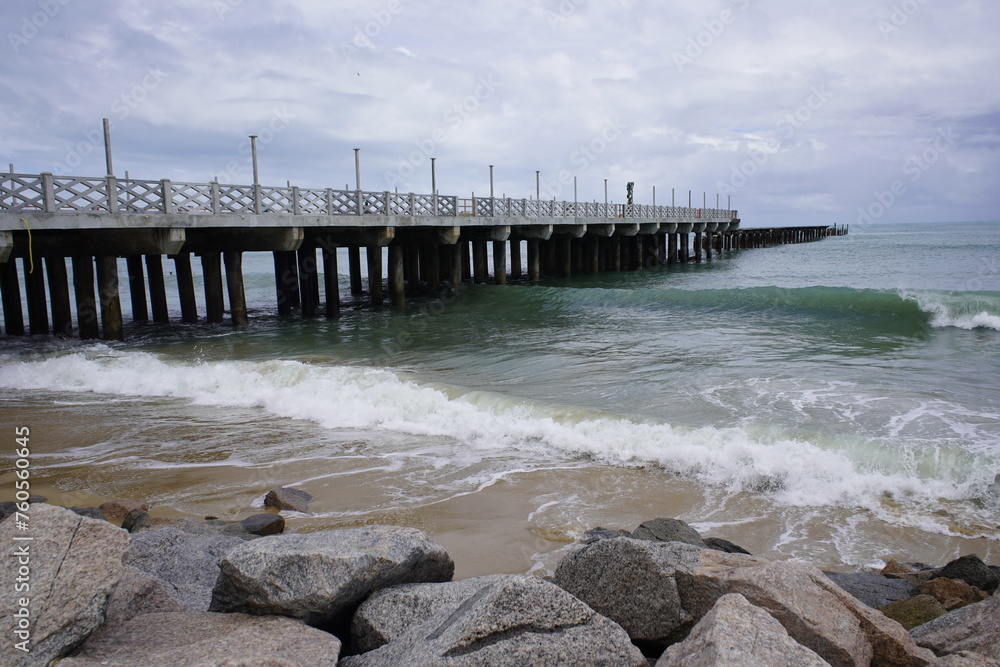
(834, 402)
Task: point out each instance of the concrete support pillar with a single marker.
(62, 318)
(411, 268)
(516, 271)
(283, 285)
(308, 280)
(111, 306)
(157, 289)
(480, 270)
(671, 248)
(234, 285)
(137, 288)
(185, 287)
(10, 290)
(211, 268)
(565, 250)
(455, 263)
(431, 259)
(534, 260)
(697, 246)
(593, 251)
(86, 301)
(34, 291)
(576, 248)
(375, 293)
(616, 253)
(397, 275)
(500, 262)
(466, 262)
(331, 282)
(354, 267)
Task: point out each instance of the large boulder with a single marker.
(321, 577)
(953, 593)
(631, 582)
(972, 628)
(498, 620)
(914, 611)
(187, 562)
(116, 510)
(202, 638)
(816, 612)
(972, 571)
(734, 634)
(288, 499)
(63, 576)
(872, 588)
(668, 530)
(138, 593)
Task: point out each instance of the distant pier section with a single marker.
(412, 243)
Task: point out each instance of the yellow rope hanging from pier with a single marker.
(31, 254)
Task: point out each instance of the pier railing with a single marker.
(77, 194)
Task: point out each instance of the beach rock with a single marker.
(728, 547)
(914, 611)
(952, 593)
(872, 588)
(264, 524)
(668, 530)
(734, 634)
(972, 628)
(138, 593)
(89, 512)
(972, 571)
(202, 638)
(288, 499)
(499, 620)
(118, 509)
(321, 577)
(7, 508)
(631, 582)
(73, 565)
(816, 612)
(967, 659)
(187, 562)
(139, 520)
(32, 499)
(595, 534)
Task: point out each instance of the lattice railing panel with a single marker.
(20, 192)
(79, 194)
(344, 202)
(192, 197)
(312, 202)
(236, 199)
(447, 206)
(140, 196)
(373, 203)
(423, 205)
(275, 200)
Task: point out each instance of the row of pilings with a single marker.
(416, 260)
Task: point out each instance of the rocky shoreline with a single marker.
(184, 592)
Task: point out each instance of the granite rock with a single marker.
(872, 588)
(668, 530)
(288, 499)
(972, 628)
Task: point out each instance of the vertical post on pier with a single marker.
(34, 289)
(185, 288)
(616, 253)
(654, 195)
(516, 271)
(397, 272)
(331, 282)
(576, 205)
(500, 262)
(354, 267)
(107, 149)
(308, 279)
(281, 282)
(157, 289)
(565, 249)
(107, 290)
(605, 194)
(672, 248)
(455, 262)
(256, 174)
(534, 260)
(62, 319)
(480, 270)
(234, 285)
(86, 302)
(10, 290)
(698, 235)
(672, 200)
(137, 288)
(374, 254)
(211, 267)
(538, 188)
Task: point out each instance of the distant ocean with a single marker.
(836, 402)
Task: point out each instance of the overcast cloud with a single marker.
(802, 112)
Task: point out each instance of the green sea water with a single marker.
(837, 400)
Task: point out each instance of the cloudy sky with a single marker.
(802, 112)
